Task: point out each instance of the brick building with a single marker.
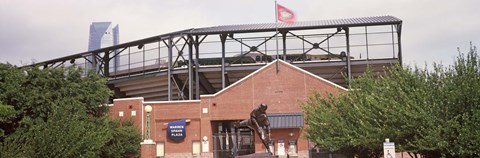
(208, 131)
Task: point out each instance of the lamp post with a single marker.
(148, 109)
(147, 147)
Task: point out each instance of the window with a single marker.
(196, 148)
(160, 149)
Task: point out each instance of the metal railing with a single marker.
(153, 57)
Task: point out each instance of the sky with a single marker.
(32, 30)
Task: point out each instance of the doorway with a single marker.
(229, 142)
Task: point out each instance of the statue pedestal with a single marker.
(257, 155)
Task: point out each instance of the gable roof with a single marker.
(273, 64)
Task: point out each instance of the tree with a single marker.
(433, 113)
(6, 113)
(123, 142)
(59, 113)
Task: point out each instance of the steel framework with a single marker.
(145, 58)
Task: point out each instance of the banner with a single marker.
(176, 130)
(285, 15)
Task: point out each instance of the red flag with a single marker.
(285, 15)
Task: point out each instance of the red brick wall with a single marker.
(127, 106)
(164, 112)
(206, 123)
(281, 91)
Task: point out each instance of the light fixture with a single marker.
(148, 108)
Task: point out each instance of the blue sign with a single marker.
(176, 130)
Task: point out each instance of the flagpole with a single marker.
(276, 34)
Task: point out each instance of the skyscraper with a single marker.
(103, 34)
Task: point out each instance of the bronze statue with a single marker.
(258, 121)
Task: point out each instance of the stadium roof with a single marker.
(245, 28)
(332, 23)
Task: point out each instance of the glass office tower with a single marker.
(103, 34)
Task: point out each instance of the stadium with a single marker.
(207, 78)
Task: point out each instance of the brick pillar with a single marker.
(148, 149)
